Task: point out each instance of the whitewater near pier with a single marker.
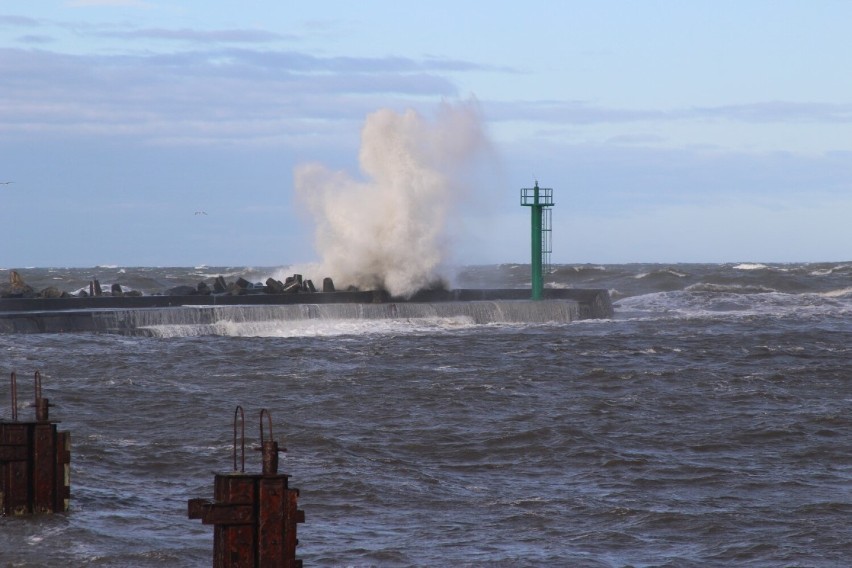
(249, 314)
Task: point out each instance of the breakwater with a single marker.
(136, 314)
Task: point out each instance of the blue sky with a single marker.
(670, 131)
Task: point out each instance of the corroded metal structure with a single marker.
(35, 460)
(254, 516)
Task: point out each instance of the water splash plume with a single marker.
(389, 231)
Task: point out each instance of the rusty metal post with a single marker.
(254, 516)
(239, 410)
(34, 461)
(269, 448)
(41, 404)
(14, 396)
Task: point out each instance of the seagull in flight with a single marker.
(6, 182)
(201, 212)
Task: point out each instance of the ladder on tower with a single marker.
(546, 241)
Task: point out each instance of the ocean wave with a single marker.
(661, 273)
(828, 271)
(841, 293)
(615, 294)
(584, 268)
(689, 304)
(751, 266)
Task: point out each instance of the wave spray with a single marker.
(389, 230)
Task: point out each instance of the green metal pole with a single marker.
(537, 280)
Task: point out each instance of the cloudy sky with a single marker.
(671, 131)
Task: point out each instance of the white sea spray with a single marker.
(389, 229)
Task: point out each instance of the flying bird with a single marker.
(6, 182)
(201, 212)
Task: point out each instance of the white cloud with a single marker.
(234, 95)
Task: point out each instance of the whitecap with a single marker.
(666, 271)
(841, 293)
(829, 271)
(730, 288)
(750, 266)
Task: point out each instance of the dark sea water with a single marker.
(709, 423)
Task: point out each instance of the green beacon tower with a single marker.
(539, 200)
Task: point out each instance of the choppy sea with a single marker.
(708, 423)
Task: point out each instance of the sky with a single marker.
(168, 133)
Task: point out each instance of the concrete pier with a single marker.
(111, 314)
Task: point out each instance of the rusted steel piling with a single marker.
(35, 460)
(254, 516)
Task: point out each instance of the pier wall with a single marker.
(130, 314)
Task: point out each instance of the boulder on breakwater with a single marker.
(241, 287)
(17, 288)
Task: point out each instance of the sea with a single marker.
(707, 423)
